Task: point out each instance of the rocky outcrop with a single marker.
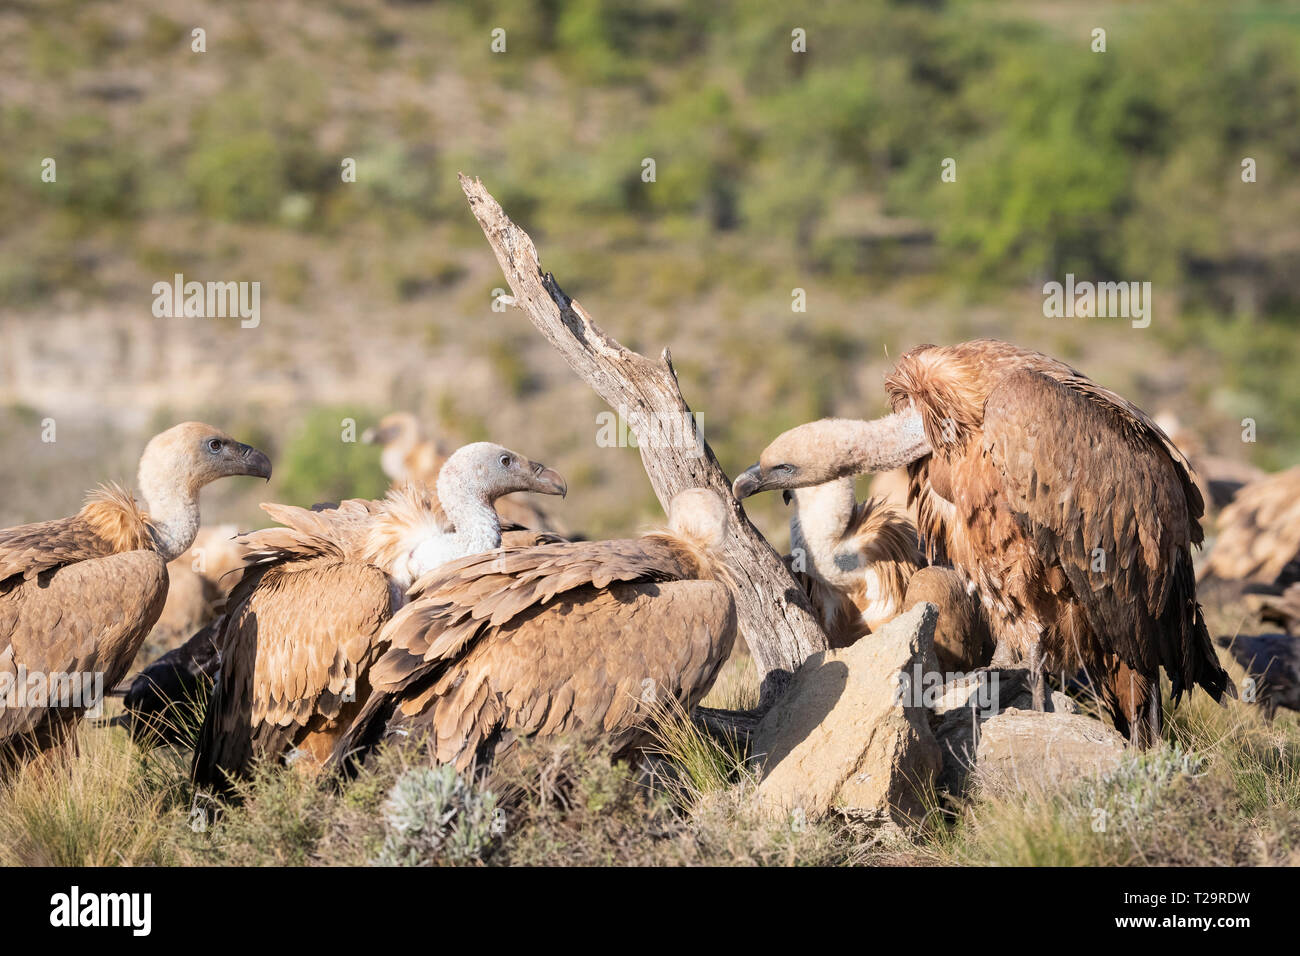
(851, 733)
(966, 703)
(1025, 749)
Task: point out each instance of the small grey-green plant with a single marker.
(1135, 789)
(434, 814)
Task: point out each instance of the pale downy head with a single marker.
(486, 471)
(700, 516)
(191, 455)
(832, 448)
(176, 465)
(471, 480)
(397, 433)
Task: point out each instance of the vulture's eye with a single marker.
(214, 445)
(505, 461)
(785, 469)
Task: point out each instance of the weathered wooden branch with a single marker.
(728, 726)
(775, 617)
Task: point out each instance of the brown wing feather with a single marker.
(299, 638)
(448, 603)
(456, 606)
(593, 659)
(1084, 475)
(89, 617)
(110, 523)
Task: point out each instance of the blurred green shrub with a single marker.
(318, 465)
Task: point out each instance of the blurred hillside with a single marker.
(775, 170)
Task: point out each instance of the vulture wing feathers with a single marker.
(546, 639)
(110, 523)
(292, 658)
(1122, 537)
(606, 671)
(86, 618)
(449, 603)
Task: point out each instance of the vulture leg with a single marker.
(1002, 657)
(1133, 701)
(1155, 713)
(1037, 678)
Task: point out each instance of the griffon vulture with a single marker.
(537, 641)
(408, 455)
(862, 553)
(303, 625)
(860, 565)
(78, 595)
(1064, 504)
(1259, 534)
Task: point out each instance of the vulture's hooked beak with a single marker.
(249, 461)
(748, 482)
(547, 481)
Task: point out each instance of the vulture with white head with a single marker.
(537, 641)
(79, 595)
(409, 455)
(1063, 504)
(860, 565)
(303, 625)
(855, 558)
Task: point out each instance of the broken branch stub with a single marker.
(775, 617)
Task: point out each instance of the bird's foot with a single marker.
(1037, 680)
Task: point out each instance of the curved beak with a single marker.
(748, 482)
(249, 461)
(548, 481)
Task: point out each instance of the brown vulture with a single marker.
(1064, 504)
(303, 625)
(860, 565)
(1259, 534)
(409, 455)
(79, 595)
(856, 557)
(544, 640)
